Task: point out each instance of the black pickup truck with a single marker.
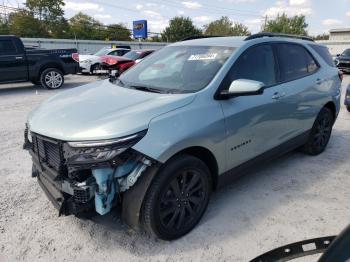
(40, 66)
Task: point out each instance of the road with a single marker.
(293, 198)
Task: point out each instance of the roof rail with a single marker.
(199, 37)
(267, 34)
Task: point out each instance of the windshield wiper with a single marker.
(147, 89)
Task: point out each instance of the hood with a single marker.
(88, 57)
(101, 110)
(347, 58)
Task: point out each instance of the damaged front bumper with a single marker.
(73, 183)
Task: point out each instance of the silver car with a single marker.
(159, 139)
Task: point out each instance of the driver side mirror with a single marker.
(243, 87)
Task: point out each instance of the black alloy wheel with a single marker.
(177, 198)
(320, 133)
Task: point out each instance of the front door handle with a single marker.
(278, 95)
(19, 57)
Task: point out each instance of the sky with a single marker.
(321, 15)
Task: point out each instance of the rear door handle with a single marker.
(19, 57)
(278, 95)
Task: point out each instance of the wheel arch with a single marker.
(331, 106)
(50, 65)
(208, 159)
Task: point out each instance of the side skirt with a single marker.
(231, 175)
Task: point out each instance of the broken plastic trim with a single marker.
(296, 250)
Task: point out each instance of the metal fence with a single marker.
(92, 46)
(87, 46)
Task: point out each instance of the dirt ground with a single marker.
(293, 198)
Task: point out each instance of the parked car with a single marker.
(165, 134)
(342, 61)
(90, 63)
(116, 65)
(347, 98)
(45, 67)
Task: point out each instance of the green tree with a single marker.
(288, 25)
(225, 27)
(83, 26)
(24, 24)
(116, 32)
(321, 37)
(50, 14)
(4, 27)
(179, 28)
(46, 9)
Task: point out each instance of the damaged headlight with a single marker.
(84, 152)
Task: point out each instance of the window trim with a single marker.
(222, 86)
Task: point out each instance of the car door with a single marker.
(255, 123)
(300, 75)
(12, 62)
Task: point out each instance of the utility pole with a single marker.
(265, 24)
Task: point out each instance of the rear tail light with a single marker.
(341, 75)
(110, 61)
(75, 57)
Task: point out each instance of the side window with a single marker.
(257, 63)
(117, 53)
(324, 53)
(7, 47)
(295, 62)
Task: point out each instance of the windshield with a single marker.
(102, 52)
(346, 52)
(133, 55)
(178, 69)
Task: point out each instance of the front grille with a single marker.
(82, 195)
(48, 151)
(342, 64)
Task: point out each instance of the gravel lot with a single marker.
(294, 198)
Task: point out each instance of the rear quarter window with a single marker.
(7, 47)
(324, 53)
(295, 62)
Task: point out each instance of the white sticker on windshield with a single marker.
(210, 56)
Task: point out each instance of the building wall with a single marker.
(87, 46)
(335, 47)
(339, 36)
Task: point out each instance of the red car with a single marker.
(121, 63)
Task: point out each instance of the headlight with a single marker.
(336, 62)
(84, 152)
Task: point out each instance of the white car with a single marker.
(90, 63)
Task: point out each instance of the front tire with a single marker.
(348, 108)
(94, 67)
(177, 198)
(52, 78)
(320, 133)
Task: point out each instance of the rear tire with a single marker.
(177, 198)
(320, 133)
(52, 78)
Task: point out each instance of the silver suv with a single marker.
(160, 138)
